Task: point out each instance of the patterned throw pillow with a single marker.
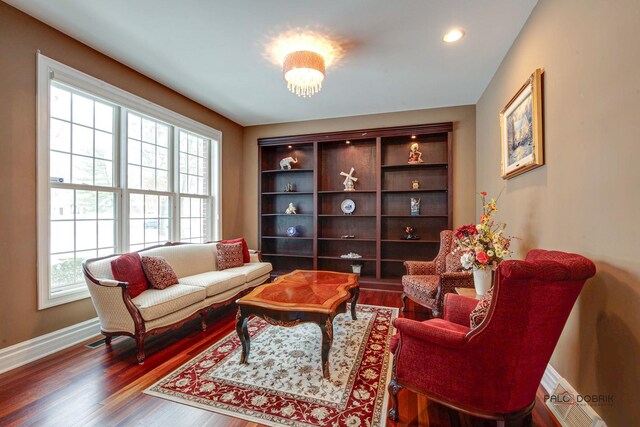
(128, 268)
(246, 257)
(229, 255)
(480, 312)
(159, 272)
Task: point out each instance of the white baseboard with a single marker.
(44, 345)
(550, 379)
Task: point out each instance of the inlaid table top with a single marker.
(303, 290)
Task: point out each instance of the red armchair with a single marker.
(427, 282)
(492, 371)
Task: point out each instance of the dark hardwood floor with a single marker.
(102, 386)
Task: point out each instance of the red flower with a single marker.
(466, 230)
(482, 257)
(484, 193)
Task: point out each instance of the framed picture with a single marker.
(521, 129)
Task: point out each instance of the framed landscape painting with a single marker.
(521, 129)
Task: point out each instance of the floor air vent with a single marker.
(565, 405)
(100, 342)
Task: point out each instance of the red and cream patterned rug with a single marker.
(282, 385)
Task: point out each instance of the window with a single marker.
(115, 174)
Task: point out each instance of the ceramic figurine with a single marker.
(288, 188)
(286, 162)
(415, 185)
(414, 155)
(349, 180)
(291, 210)
(409, 233)
(415, 206)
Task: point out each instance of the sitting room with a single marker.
(281, 213)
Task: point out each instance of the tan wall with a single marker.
(585, 199)
(21, 36)
(463, 119)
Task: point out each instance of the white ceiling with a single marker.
(213, 51)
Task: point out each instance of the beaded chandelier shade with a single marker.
(304, 72)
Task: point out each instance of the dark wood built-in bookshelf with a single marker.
(382, 198)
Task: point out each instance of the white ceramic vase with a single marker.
(482, 279)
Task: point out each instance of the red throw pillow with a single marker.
(128, 268)
(480, 312)
(229, 255)
(245, 249)
(159, 272)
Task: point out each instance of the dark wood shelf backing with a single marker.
(288, 237)
(414, 216)
(420, 190)
(346, 259)
(347, 215)
(416, 165)
(287, 170)
(287, 193)
(410, 241)
(287, 255)
(284, 214)
(347, 240)
(346, 192)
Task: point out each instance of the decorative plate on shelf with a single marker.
(348, 206)
(292, 232)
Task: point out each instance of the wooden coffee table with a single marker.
(298, 297)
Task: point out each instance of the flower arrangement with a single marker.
(483, 245)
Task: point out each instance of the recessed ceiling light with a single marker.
(291, 146)
(348, 142)
(413, 137)
(453, 35)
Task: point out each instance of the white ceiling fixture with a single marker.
(453, 35)
(392, 54)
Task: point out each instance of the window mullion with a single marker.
(124, 196)
(175, 154)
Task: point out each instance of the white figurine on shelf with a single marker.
(286, 163)
(291, 210)
(349, 180)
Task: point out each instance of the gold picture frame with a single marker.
(521, 129)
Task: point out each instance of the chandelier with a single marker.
(304, 72)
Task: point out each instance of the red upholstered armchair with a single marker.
(427, 282)
(494, 370)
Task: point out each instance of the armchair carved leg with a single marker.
(394, 388)
(140, 347)
(107, 339)
(518, 419)
(404, 302)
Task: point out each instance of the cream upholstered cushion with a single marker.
(155, 303)
(188, 259)
(215, 282)
(252, 270)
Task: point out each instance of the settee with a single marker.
(201, 287)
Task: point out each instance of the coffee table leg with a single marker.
(327, 340)
(243, 334)
(354, 300)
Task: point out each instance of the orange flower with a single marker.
(482, 257)
(484, 193)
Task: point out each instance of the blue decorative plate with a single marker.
(292, 232)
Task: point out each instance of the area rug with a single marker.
(282, 385)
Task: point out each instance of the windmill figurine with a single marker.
(349, 180)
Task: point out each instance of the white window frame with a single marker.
(48, 70)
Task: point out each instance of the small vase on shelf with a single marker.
(482, 279)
